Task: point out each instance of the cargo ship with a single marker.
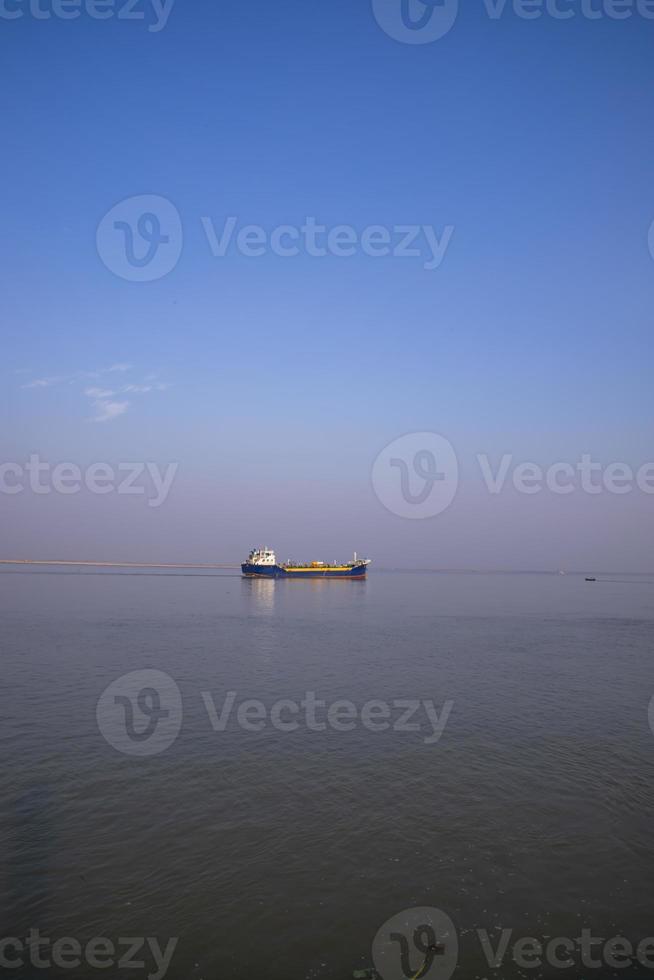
(262, 562)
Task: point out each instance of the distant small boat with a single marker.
(589, 578)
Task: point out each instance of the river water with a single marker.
(473, 744)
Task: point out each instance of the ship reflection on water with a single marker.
(262, 594)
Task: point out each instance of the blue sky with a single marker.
(274, 382)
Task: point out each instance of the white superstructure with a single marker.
(262, 556)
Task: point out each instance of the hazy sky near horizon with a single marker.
(525, 147)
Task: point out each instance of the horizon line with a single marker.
(393, 568)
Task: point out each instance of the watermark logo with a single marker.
(650, 240)
(140, 713)
(416, 21)
(416, 943)
(417, 475)
(424, 21)
(140, 239)
(422, 944)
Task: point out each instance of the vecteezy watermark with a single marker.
(40, 477)
(99, 953)
(340, 241)
(140, 713)
(416, 21)
(563, 478)
(155, 12)
(420, 942)
(317, 715)
(563, 952)
(140, 239)
(423, 943)
(424, 21)
(417, 476)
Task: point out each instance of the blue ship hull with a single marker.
(279, 571)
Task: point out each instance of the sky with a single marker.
(482, 284)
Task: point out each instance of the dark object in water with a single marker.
(591, 579)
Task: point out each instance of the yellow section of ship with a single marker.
(317, 566)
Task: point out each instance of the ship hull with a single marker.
(280, 571)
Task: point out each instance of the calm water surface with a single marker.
(278, 855)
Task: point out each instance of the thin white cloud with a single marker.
(104, 407)
(43, 383)
(99, 392)
(106, 411)
(143, 389)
